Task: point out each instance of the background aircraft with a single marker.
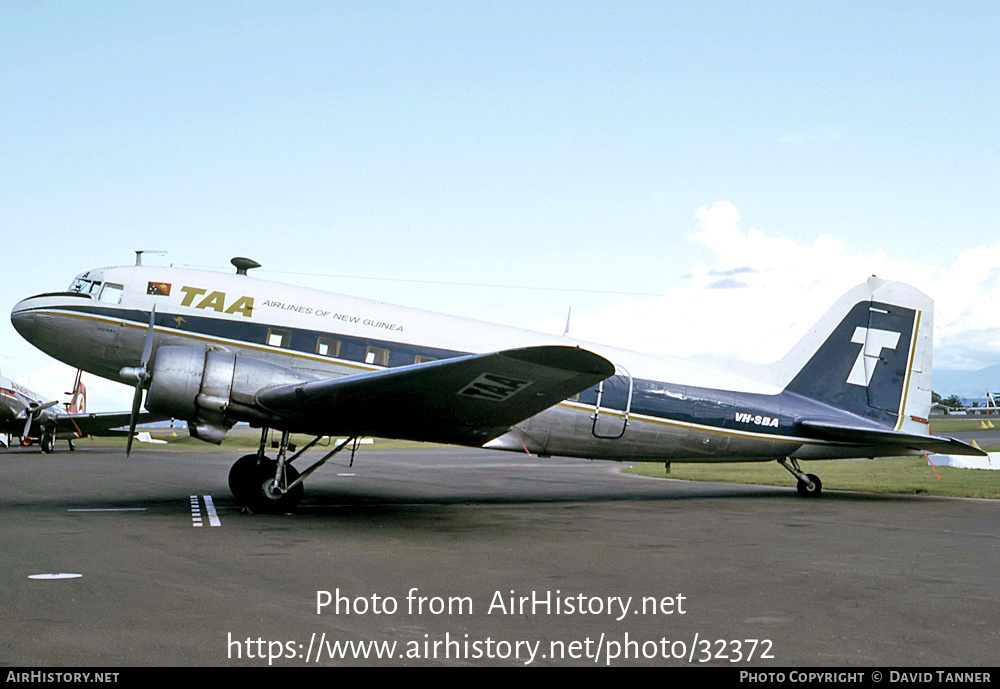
(32, 418)
(215, 349)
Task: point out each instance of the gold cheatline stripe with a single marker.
(909, 372)
(700, 427)
(210, 338)
(366, 367)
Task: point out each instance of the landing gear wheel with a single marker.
(253, 486)
(243, 477)
(811, 488)
(268, 497)
(48, 442)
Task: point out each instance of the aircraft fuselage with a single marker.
(653, 409)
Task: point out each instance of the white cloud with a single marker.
(967, 295)
(758, 294)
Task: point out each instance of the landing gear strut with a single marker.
(809, 485)
(262, 484)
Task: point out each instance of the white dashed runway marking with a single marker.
(196, 519)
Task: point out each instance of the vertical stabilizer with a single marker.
(78, 403)
(870, 355)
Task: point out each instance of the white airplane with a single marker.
(31, 417)
(214, 349)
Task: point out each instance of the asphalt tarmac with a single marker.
(987, 439)
(464, 557)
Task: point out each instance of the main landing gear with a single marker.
(47, 442)
(262, 484)
(809, 485)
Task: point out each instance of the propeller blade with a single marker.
(147, 349)
(141, 374)
(33, 410)
(136, 403)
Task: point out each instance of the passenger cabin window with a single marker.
(377, 356)
(327, 347)
(421, 359)
(279, 338)
(112, 293)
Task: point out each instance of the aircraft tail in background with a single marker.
(78, 403)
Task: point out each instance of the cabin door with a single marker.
(614, 403)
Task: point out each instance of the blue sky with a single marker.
(577, 145)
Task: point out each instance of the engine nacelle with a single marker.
(212, 389)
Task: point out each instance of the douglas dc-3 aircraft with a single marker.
(214, 349)
(23, 413)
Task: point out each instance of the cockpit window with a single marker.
(111, 293)
(82, 286)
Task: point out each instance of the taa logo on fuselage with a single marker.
(216, 301)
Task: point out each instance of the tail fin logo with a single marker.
(873, 341)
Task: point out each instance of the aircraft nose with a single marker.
(30, 319)
(24, 320)
(58, 324)
(39, 321)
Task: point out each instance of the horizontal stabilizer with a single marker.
(463, 400)
(862, 435)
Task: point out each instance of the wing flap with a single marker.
(862, 435)
(464, 400)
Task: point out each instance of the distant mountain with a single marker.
(969, 384)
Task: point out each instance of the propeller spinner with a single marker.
(32, 412)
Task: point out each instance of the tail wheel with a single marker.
(810, 488)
